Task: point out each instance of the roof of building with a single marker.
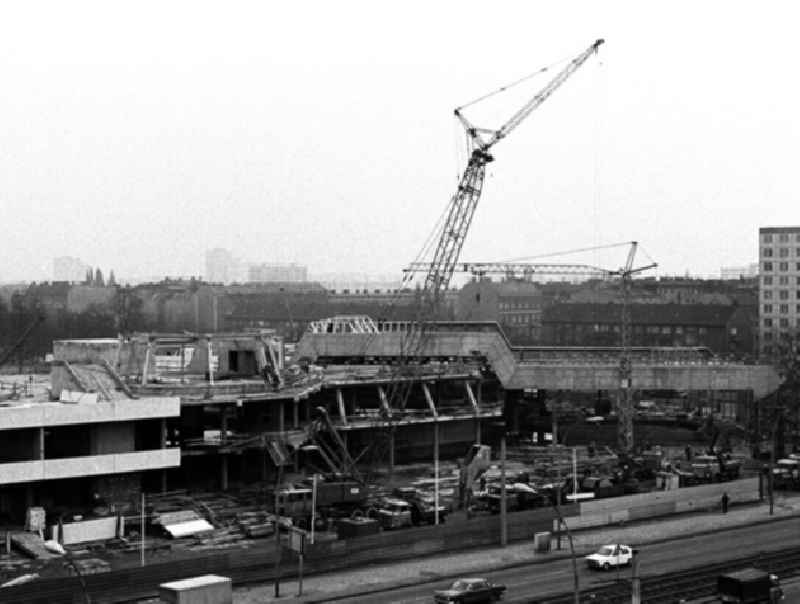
(646, 314)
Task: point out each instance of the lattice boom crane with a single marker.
(465, 200)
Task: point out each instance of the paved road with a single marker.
(556, 577)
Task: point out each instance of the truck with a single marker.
(336, 497)
(712, 468)
(749, 586)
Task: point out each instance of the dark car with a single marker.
(470, 591)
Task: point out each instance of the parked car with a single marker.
(611, 556)
(470, 591)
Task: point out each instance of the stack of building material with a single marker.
(31, 545)
(255, 524)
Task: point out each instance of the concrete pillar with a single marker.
(223, 472)
(163, 437)
(223, 425)
(40, 444)
(391, 452)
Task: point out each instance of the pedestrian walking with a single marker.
(725, 500)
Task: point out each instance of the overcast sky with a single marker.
(322, 132)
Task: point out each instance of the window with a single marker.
(767, 349)
(767, 266)
(783, 280)
(797, 266)
(666, 330)
(768, 294)
(767, 308)
(784, 309)
(783, 252)
(767, 237)
(768, 280)
(784, 322)
(797, 251)
(679, 330)
(783, 294)
(767, 322)
(702, 330)
(768, 336)
(767, 252)
(783, 237)
(783, 266)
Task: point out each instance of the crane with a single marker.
(463, 203)
(625, 275)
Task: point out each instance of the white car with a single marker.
(610, 556)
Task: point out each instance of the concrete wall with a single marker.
(92, 465)
(614, 510)
(34, 415)
(89, 530)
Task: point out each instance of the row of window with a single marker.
(782, 266)
(782, 280)
(515, 305)
(652, 329)
(783, 294)
(782, 322)
(782, 308)
(769, 336)
(520, 319)
(782, 237)
(783, 252)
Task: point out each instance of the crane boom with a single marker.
(463, 203)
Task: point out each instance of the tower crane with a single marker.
(624, 274)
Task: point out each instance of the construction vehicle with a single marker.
(715, 468)
(749, 586)
(336, 497)
(476, 462)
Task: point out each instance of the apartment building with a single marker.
(779, 286)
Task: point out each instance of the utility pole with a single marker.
(278, 551)
(503, 506)
(436, 471)
(636, 584)
(141, 529)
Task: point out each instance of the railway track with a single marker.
(671, 588)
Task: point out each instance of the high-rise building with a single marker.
(67, 268)
(220, 266)
(268, 272)
(779, 285)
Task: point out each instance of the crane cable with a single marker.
(539, 71)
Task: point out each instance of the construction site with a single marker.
(150, 456)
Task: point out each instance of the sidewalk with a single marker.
(353, 582)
